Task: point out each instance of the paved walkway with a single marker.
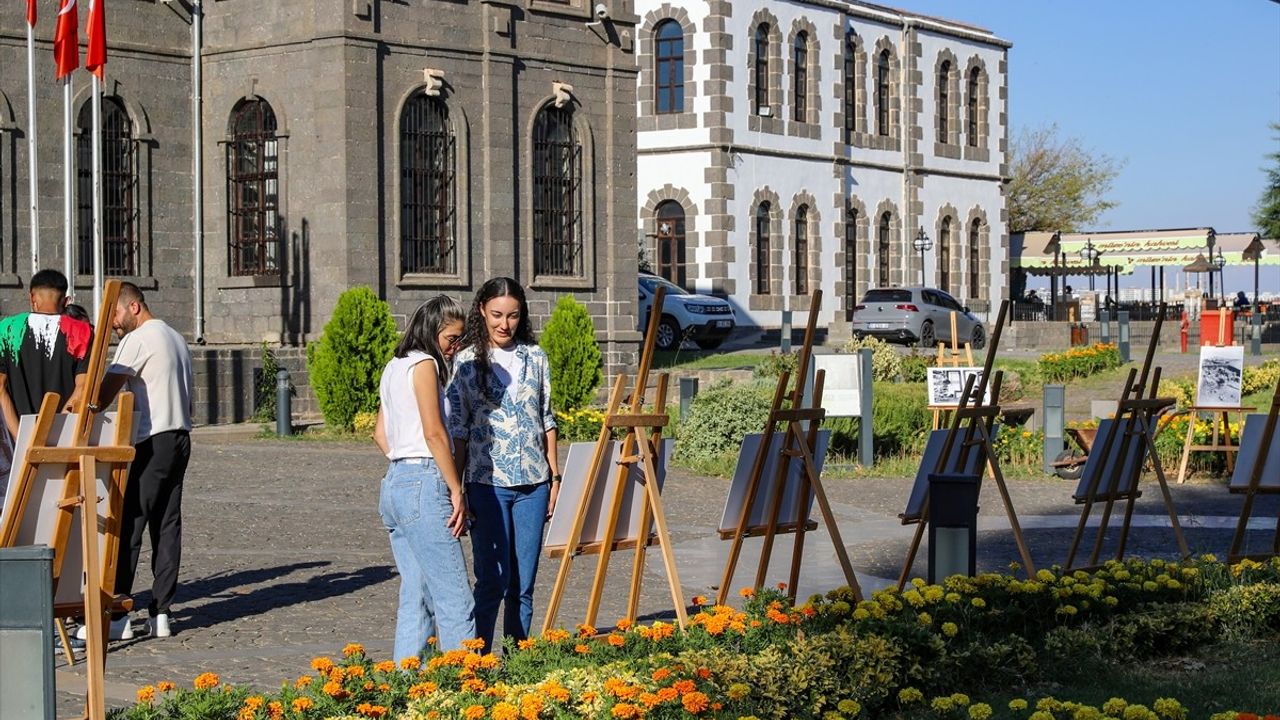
(285, 557)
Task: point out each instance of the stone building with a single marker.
(416, 148)
(789, 146)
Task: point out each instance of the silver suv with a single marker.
(704, 319)
(915, 315)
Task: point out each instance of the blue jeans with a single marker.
(434, 600)
(506, 540)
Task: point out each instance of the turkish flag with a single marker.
(31, 13)
(66, 39)
(95, 58)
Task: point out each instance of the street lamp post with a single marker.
(1210, 240)
(1219, 263)
(1254, 252)
(922, 244)
(1055, 244)
(1089, 254)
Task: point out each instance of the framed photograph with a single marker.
(946, 384)
(1221, 375)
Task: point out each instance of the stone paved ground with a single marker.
(285, 557)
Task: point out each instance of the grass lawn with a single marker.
(707, 360)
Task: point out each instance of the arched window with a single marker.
(668, 59)
(253, 188)
(800, 263)
(944, 100)
(557, 194)
(850, 263)
(882, 94)
(119, 191)
(762, 249)
(669, 219)
(850, 81)
(975, 257)
(761, 70)
(428, 188)
(882, 249)
(974, 75)
(944, 255)
(800, 91)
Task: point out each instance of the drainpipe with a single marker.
(904, 134)
(197, 164)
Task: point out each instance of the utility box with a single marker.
(953, 525)
(26, 633)
(1210, 323)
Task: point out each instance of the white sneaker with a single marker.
(158, 626)
(121, 629)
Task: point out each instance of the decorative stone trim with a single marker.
(952, 80)
(1003, 70)
(975, 147)
(900, 254)
(774, 122)
(649, 118)
(813, 255)
(774, 300)
(649, 222)
(955, 250)
(983, 290)
(874, 140)
(844, 285)
(716, 58)
(809, 127)
(850, 42)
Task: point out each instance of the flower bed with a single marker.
(1079, 362)
(827, 658)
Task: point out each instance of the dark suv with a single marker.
(916, 315)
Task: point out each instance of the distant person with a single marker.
(153, 361)
(1242, 301)
(1067, 292)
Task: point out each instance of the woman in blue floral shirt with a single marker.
(504, 435)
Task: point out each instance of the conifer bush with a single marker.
(346, 363)
(569, 340)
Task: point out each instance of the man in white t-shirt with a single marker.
(152, 362)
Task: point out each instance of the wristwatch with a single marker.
(555, 478)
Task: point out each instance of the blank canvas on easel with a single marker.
(932, 453)
(1100, 471)
(575, 472)
(1250, 441)
(759, 517)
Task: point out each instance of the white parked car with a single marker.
(704, 319)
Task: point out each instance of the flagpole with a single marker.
(97, 191)
(67, 203)
(31, 149)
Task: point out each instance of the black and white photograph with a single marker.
(946, 384)
(1221, 373)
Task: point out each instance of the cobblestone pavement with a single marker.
(285, 557)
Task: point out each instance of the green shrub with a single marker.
(886, 363)
(915, 367)
(346, 363)
(1079, 362)
(899, 421)
(1246, 612)
(265, 393)
(720, 417)
(774, 365)
(570, 342)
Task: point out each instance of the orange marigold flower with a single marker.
(473, 712)
(667, 694)
(504, 711)
(385, 666)
(526, 644)
(413, 662)
(370, 710)
(422, 689)
(473, 644)
(302, 704)
(146, 694)
(703, 673)
(699, 600)
(624, 624)
(489, 661)
(649, 700)
(355, 671)
(584, 630)
(684, 686)
(717, 707)
(246, 714)
(206, 681)
(694, 702)
(555, 635)
(368, 685)
(617, 640)
(626, 710)
(165, 686)
(660, 674)
(253, 702)
(473, 685)
(582, 649)
(755, 623)
(782, 587)
(352, 649)
(275, 710)
(432, 640)
(321, 664)
(747, 592)
(334, 690)
(302, 682)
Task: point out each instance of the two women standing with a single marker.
(503, 433)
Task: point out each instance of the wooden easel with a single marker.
(977, 420)
(952, 357)
(79, 494)
(798, 443)
(1221, 418)
(640, 442)
(1134, 422)
(1255, 487)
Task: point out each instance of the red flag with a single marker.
(31, 13)
(66, 39)
(95, 58)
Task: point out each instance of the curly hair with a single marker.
(476, 335)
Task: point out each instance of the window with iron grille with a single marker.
(944, 255)
(850, 88)
(761, 69)
(557, 194)
(882, 94)
(762, 249)
(944, 100)
(974, 76)
(669, 219)
(882, 249)
(428, 188)
(801, 260)
(119, 191)
(975, 256)
(850, 263)
(668, 62)
(253, 190)
(801, 77)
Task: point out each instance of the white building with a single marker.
(787, 146)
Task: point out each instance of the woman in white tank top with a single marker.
(421, 501)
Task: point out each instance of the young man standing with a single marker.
(41, 351)
(154, 362)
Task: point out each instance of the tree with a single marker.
(1056, 183)
(569, 340)
(345, 364)
(1267, 215)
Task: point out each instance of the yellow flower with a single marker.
(206, 681)
(473, 712)
(302, 704)
(505, 711)
(950, 629)
(352, 649)
(909, 695)
(979, 711)
(146, 694)
(978, 602)
(473, 644)
(165, 686)
(849, 707)
(1017, 705)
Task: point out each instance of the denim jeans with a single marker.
(434, 597)
(506, 540)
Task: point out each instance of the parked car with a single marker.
(916, 315)
(703, 319)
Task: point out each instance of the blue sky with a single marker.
(1183, 91)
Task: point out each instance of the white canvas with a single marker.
(842, 385)
(945, 384)
(764, 492)
(1221, 375)
(574, 484)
